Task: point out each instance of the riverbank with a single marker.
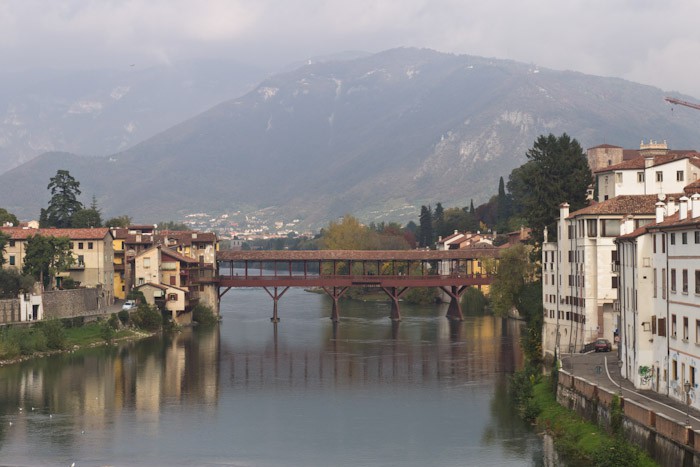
(87, 335)
(581, 442)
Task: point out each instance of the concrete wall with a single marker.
(666, 440)
(74, 303)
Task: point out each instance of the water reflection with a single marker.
(306, 391)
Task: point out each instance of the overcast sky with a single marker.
(647, 41)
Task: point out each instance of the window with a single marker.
(610, 227)
(614, 282)
(662, 327)
(697, 331)
(697, 236)
(679, 175)
(80, 245)
(663, 243)
(172, 296)
(592, 227)
(172, 280)
(685, 280)
(684, 238)
(81, 261)
(654, 283)
(697, 281)
(663, 283)
(90, 245)
(659, 176)
(691, 376)
(673, 325)
(12, 243)
(147, 262)
(673, 239)
(653, 242)
(12, 260)
(72, 245)
(673, 281)
(618, 177)
(653, 324)
(685, 328)
(674, 369)
(141, 281)
(640, 177)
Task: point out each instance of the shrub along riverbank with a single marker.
(45, 337)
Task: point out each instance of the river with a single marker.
(302, 393)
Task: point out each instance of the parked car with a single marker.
(129, 304)
(602, 345)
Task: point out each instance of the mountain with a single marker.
(376, 136)
(103, 111)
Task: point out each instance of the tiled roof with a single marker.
(624, 204)
(20, 233)
(605, 146)
(639, 161)
(175, 255)
(451, 237)
(185, 237)
(476, 251)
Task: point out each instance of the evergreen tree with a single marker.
(64, 200)
(503, 207)
(425, 229)
(556, 171)
(121, 221)
(4, 239)
(439, 221)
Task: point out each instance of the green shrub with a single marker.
(147, 317)
(69, 283)
(113, 321)
(204, 315)
(123, 316)
(422, 296)
(136, 295)
(55, 334)
(474, 302)
(107, 331)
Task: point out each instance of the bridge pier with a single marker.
(394, 294)
(275, 297)
(454, 311)
(335, 294)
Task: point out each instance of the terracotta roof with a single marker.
(638, 162)
(692, 188)
(624, 204)
(184, 237)
(605, 146)
(175, 255)
(21, 233)
(634, 234)
(451, 237)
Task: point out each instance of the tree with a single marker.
(425, 229)
(8, 218)
(4, 239)
(120, 221)
(64, 200)
(439, 221)
(512, 272)
(172, 225)
(47, 256)
(502, 207)
(556, 171)
(86, 218)
(348, 234)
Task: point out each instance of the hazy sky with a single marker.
(648, 41)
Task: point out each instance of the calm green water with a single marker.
(302, 393)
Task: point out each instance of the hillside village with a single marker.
(627, 267)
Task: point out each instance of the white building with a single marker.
(662, 351)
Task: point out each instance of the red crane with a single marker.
(680, 102)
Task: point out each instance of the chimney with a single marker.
(627, 225)
(660, 208)
(695, 205)
(683, 208)
(563, 210)
(671, 207)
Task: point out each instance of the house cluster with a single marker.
(174, 270)
(627, 267)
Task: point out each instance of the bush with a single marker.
(147, 317)
(107, 332)
(473, 302)
(204, 315)
(69, 283)
(113, 321)
(55, 334)
(136, 295)
(422, 296)
(123, 316)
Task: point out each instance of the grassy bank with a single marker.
(578, 441)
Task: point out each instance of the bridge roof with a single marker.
(356, 255)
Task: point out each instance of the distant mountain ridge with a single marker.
(375, 136)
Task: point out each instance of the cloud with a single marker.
(643, 40)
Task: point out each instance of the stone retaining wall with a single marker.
(9, 311)
(666, 440)
(73, 303)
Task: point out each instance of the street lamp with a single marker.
(687, 387)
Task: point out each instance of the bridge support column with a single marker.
(454, 311)
(335, 293)
(394, 294)
(275, 297)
